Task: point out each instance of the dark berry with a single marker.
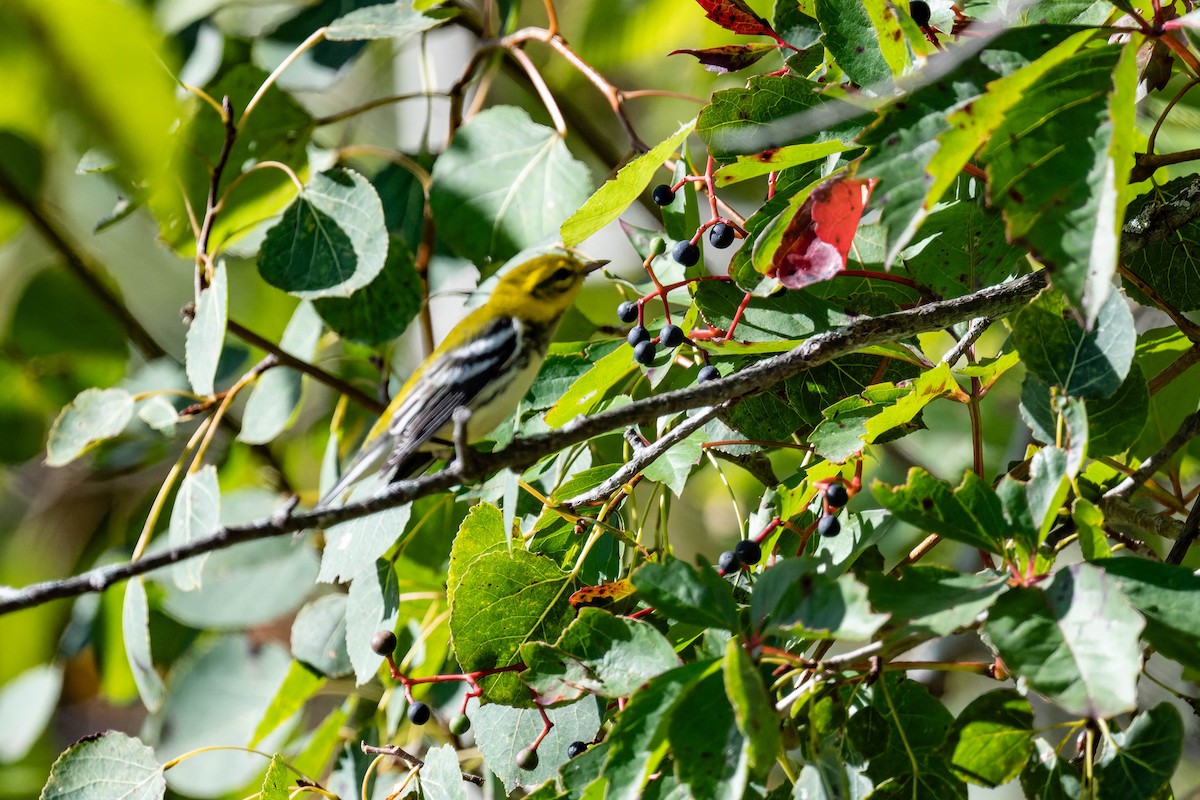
(686, 253)
(720, 236)
(663, 195)
(644, 353)
(576, 749)
(418, 713)
(829, 526)
(836, 495)
(670, 336)
(384, 643)
(527, 759)
(637, 335)
(708, 373)
(627, 312)
(748, 551)
(460, 724)
(728, 562)
(919, 11)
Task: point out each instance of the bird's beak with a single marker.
(592, 266)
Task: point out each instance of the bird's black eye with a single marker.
(561, 274)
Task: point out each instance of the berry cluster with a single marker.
(836, 497)
(721, 231)
(746, 552)
(645, 346)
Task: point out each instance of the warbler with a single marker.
(485, 364)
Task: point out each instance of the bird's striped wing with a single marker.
(456, 378)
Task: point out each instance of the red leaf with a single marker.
(817, 240)
(728, 58)
(736, 16)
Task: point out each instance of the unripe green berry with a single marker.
(527, 759)
(460, 724)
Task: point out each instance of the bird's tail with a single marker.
(371, 459)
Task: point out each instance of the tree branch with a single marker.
(994, 302)
(1188, 429)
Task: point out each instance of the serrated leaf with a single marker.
(276, 394)
(441, 778)
(331, 241)
(685, 593)
(1058, 166)
(615, 196)
(1049, 776)
(992, 738)
(195, 515)
(1115, 422)
(503, 601)
(1075, 642)
(966, 514)
(586, 391)
(598, 653)
(206, 335)
(712, 759)
(504, 184)
(852, 39)
(93, 416)
(673, 467)
(762, 117)
(1082, 362)
(96, 766)
(275, 782)
(387, 21)
(773, 160)
(319, 636)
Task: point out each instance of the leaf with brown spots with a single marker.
(817, 240)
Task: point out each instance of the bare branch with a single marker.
(1189, 429)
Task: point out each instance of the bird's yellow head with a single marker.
(542, 288)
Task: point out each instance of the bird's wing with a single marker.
(456, 378)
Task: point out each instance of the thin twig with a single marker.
(993, 301)
(1188, 429)
(395, 751)
(1191, 527)
(974, 331)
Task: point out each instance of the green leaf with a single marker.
(503, 601)
(753, 711)
(600, 654)
(762, 117)
(273, 402)
(1042, 413)
(319, 636)
(727, 58)
(387, 21)
(1165, 594)
(300, 684)
(135, 627)
(789, 315)
(372, 605)
(1170, 266)
(441, 779)
(911, 765)
(673, 467)
(1058, 166)
(331, 241)
(712, 758)
(353, 546)
(1075, 642)
(95, 766)
(744, 167)
(638, 739)
(93, 416)
(617, 193)
(275, 782)
(969, 514)
(480, 533)
(965, 250)
(992, 738)
(1089, 521)
(932, 601)
(589, 389)
(1082, 362)
(793, 596)
(687, 594)
(504, 184)
(1115, 422)
(1046, 491)
(502, 732)
(1140, 760)
(1048, 776)
(381, 310)
(206, 335)
(851, 37)
(195, 515)
(27, 704)
(929, 386)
